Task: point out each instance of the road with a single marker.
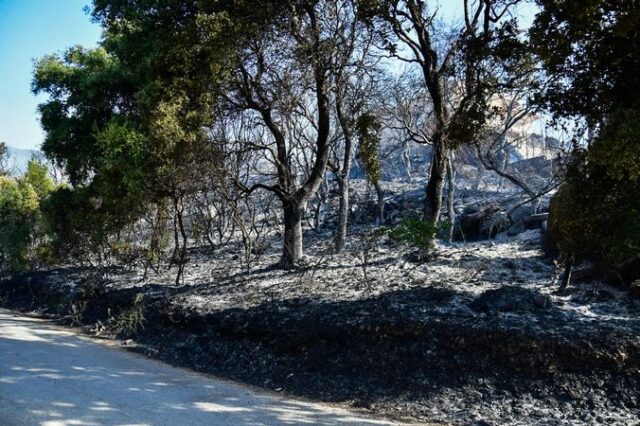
(50, 376)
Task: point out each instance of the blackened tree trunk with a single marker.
(451, 185)
(435, 184)
(343, 174)
(343, 214)
(380, 196)
(292, 242)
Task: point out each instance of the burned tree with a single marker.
(282, 85)
(409, 33)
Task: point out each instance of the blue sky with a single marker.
(30, 29)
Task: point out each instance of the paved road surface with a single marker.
(52, 377)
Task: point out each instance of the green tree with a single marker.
(37, 175)
(4, 153)
(90, 93)
(128, 120)
(596, 213)
(22, 234)
(18, 210)
(591, 50)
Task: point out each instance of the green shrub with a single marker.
(23, 241)
(416, 233)
(18, 214)
(132, 319)
(37, 175)
(596, 213)
(71, 221)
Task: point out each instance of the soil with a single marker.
(475, 335)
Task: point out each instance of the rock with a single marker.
(494, 224)
(516, 228)
(511, 299)
(536, 221)
(542, 301)
(472, 226)
(519, 214)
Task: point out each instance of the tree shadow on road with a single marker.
(52, 377)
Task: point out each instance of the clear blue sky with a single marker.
(30, 29)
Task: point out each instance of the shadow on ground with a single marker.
(50, 377)
(428, 352)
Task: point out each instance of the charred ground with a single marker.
(479, 334)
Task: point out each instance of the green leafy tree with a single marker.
(591, 50)
(18, 211)
(22, 234)
(90, 94)
(596, 213)
(4, 153)
(37, 175)
(86, 89)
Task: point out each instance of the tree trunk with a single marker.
(292, 243)
(566, 275)
(406, 159)
(380, 195)
(451, 185)
(435, 185)
(321, 197)
(342, 176)
(343, 214)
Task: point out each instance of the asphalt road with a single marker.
(50, 376)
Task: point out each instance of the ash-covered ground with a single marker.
(478, 334)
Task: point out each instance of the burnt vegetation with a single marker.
(357, 201)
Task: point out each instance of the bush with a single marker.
(18, 212)
(416, 233)
(596, 213)
(23, 240)
(71, 222)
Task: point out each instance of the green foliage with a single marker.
(132, 319)
(367, 128)
(74, 221)
(22, 236)
(4, 153)
(126, 120)
(596, 213)
(591, 50)
(416, 233)
(18, 211)
(37, 175)
(86, 87)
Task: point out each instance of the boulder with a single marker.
(485, 223)
(536, 221)
(511, 299)
(495, 224)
